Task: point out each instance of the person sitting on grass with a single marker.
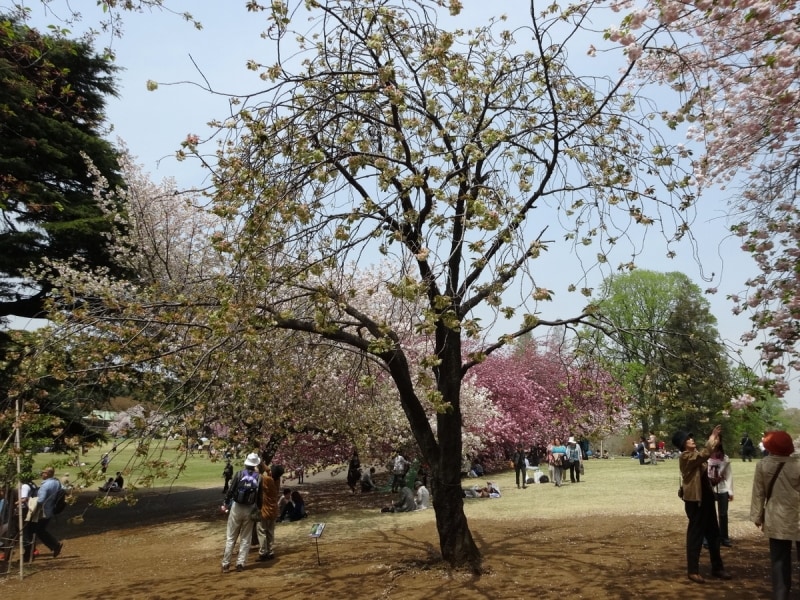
(404, 503)
(285, 499)
(490, 490)
(367, 485)
(476, 470)
(295, 509)
(109, 486)
(423, 497)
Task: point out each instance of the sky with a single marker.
(161, 47)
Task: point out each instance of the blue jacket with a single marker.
(46, 497)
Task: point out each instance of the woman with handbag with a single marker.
(775, 507)
(558, 453)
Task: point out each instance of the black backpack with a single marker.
(34, 490)
(61, 501)
(247, 488)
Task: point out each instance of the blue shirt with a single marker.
(46, 498)
(573, 453)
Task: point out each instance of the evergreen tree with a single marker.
(698, 378)
(664, 345)
(52, 100)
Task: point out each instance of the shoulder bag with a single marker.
(769, 492)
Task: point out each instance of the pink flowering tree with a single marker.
(734, 68)
(539, 393)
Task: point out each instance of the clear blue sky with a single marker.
(163, 48)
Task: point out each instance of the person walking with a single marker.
(775, 507)
(652, 447)
(698, 503)
(241, 501)
(45, 507)
(558, 453)
(353, 471)
(640, 451)
(270, 476)
(746, 448)
(520, 466)
(227, 475)
(573, 459)
(399, 469)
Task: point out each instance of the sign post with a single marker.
(316, 533)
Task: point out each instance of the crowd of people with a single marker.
(561, 459)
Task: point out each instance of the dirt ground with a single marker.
(169, 546)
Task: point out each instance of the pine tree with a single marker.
(52, 100)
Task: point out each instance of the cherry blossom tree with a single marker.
(387, 134)
(541, 392)
(734, 66)
(166, 335)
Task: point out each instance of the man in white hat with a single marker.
(574, 458)
(242, 503)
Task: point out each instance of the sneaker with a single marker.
(226, 568)
(264, 557)
(727, 543)
(239, 568)
(57, 551)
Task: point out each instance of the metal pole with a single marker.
(20, 521)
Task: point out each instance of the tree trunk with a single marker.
(455, 539)
(444, 456)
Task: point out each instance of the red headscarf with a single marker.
(778, 443)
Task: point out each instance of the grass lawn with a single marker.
(617, 485)
(173, 467)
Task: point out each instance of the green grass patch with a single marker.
(161, 464)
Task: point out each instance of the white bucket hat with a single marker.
(252, 460)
